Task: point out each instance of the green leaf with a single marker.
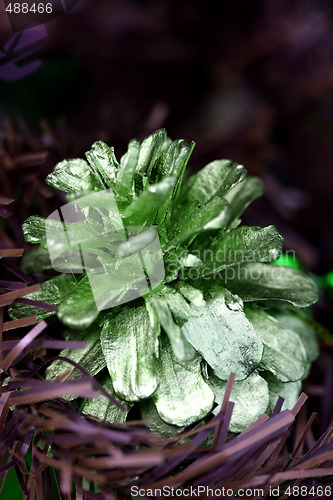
(251, 398)
(88, 234)
(178, 306)
(101, 210)
(307, 334)
(36, 260)
(150, 149)
(176, 260)
(155, 423)
(182, 396)
(284, 354)
(86, 245)
(213, 215)
(91, 357)
(289, 391)
(244, 244)
(223, 335)
(102, 408)
(78, 310)
(241, 195)
(51, 292)
(125, 177)
(73, 175)
(172, 311)
(34, 228)
(190, 293)
(103, 163)
(255, 281)
(143, 210)
(173, 162)
(102, 228)
(130, 346)
(217, 178)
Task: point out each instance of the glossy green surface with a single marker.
(182, 396)
(217, 178)
(90, 358)
(130, 347)
(224, 336)
(284, 354)
(102, 408)
(288, 391)
(256, 281)
(157, 343)
(251, 398)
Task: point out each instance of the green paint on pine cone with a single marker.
(228, 318)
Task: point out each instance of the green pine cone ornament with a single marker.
(219, 306)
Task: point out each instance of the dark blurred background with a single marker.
(250, 81)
